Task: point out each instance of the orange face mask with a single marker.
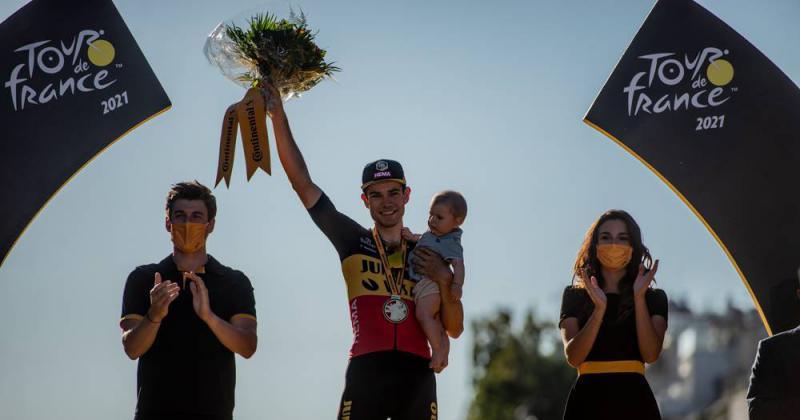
(613, 256)
(189, 237)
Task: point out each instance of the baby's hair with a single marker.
(454, 200)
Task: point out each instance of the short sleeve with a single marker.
(136, 297)
(336, 226)
(657, 302)
(453, 249)
(573, 304)
(243, 302)
(448, 246)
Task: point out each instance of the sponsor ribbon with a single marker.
(250, 116)
(252, 112)
(227, 145)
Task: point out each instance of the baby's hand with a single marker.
(456, 291)
(407, 235)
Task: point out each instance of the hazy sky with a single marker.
(485, 98)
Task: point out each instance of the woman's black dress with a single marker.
(611, 395)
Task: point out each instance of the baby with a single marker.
(448, 211)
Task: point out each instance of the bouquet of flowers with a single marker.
(270, 51)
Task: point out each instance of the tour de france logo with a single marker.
(48, 70)
(720, 72)
(101, 53)
(671, 82)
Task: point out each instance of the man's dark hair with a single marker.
(191, 191)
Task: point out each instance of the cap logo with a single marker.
(382, 174)
(381, 165)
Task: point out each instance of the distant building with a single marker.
(706, 361)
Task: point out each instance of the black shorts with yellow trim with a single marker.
(386, 384)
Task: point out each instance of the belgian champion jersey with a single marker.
(367, 287)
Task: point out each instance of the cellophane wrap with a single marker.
(265, 49)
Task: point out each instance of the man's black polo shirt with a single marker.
(187, 372)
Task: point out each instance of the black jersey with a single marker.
(187, 371)
(616, 339)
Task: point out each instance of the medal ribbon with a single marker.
(395, 285)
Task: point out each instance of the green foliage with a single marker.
(282, 53)
(514, 378)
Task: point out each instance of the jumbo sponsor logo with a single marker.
(673, 82)
(49, 70)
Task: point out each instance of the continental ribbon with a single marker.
(227, 145)
(250, 115)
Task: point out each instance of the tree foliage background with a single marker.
(518, 374)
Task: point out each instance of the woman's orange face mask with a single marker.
(614, 256)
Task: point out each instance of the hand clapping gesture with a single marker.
(643, 280)
(596, 293)
(200, 301)
(161, 295)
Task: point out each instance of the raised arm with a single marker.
(289, 154)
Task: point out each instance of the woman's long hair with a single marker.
(587, 258)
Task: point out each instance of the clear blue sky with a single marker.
(480, 97)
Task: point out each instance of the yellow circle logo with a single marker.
(101, 53)
(720, 72)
